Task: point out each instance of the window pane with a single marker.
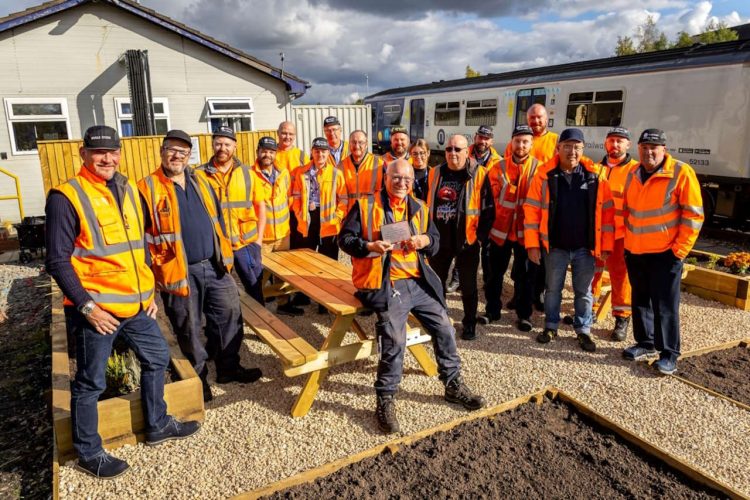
(162, 127)
(473, 104)
(581, 97)
(27, 133)
(231, 106)
(447, 117)
(540, 92)
(245, 125)
(37, 109)
(159, 108)
(594, 115)
(576, 115)
(125, 108)
(127, 128)
(609, 95)
(483, 116)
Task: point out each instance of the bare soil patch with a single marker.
(547, 451)
(725, 372)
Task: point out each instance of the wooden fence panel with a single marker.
(60, 160)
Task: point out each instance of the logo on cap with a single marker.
(267, 143)
(331, 120)
(101, 137)
(620, 132)
(319, 143)
(225, 132)
(522, 130)
(485, 131)
(653, 136)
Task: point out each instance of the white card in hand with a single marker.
(395, 232)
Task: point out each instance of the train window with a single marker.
(526, 98)
(595, 109)
(482, 112)
(391, 115)
(447, 113)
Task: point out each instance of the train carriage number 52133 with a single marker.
(702, 163)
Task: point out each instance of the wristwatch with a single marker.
(87, 308)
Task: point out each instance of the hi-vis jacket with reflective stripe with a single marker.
(291, 159)
(237, 190)
(164, 237)
(505, 178)
(493, 157)
(278, 200)
(109, 255)
(544, 147)
(528, 171)
(333, 201)
(472, 196)
(664, 213)
(617, 176)
(388, 157)
(344, 154)
(540, 208)
(364, 181)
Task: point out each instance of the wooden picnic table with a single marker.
(328, 283)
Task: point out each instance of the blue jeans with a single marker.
(213, 295)
(93, 349)
(556, 263)
(410, 296)
(249, 266)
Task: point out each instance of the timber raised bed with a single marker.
(717, 285)
(543, 445)
(120, 418)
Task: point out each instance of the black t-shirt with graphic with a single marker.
(447, 198)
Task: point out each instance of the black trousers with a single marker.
(326, 245)
(467, 263)
(655, 282)
(525, 276)
(495, 264)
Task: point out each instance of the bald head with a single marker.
(287, 134)
(457, 152)
(536, 118)
(399, 176)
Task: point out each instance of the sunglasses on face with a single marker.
(452, 149)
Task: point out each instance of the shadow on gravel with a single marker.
(25, 364)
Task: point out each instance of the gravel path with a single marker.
(249, 439)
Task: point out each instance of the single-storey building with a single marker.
(63, 68)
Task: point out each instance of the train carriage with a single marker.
(699, 95)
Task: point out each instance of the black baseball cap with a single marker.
(619, 132)
(522, 130)
(485, 131)
(268, 143)
(398, 130)
(331, 120)
(319, 143)
(653, 136)
(101, 137)
(225, 132)
(179, 135)
(571, 134)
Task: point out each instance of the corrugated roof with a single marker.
(295, 84)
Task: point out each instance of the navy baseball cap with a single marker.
(619, 132)
(653, 136)
(225, 132)
(179, 135)
(331, 120)
(485, 131)
(522, 130)
(266, 142)
(319, 143)
(101, 137)
(571, 134)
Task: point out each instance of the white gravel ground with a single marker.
(249, 440)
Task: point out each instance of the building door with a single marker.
(525, 98)
(416, 120)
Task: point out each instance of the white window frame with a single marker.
(229, 113)
(119, 101)
(11, 118)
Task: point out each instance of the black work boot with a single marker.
(621, 328)
(458, 392)
(385, 412)
(207, 394)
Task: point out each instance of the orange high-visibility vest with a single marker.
(473, 196)
(344, 154)
(543, 148)
(617, 176)
(664, 213)
(536, 210)
(367, 272)
(528, 171)
(364, 181)
(333, 200)
(277, 196)
(494, 156)
(164, 237)
(109, 255)
(291, 159)
(388, 157)
(504, 176)
(404, 263)
(237, 190)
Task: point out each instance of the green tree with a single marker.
(717, 32)
(651, 38)
(625, 46)
(683, 40)
(471, 72)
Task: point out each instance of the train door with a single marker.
(525, 98)
(416, 119)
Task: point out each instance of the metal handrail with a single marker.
(18, 191)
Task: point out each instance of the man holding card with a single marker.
(394, 279)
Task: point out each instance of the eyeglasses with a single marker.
(420, 153)
(401, 179)
(359, 143)
(179, 153)
(451, 149)
(572, 147)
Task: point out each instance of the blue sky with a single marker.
(334, 43)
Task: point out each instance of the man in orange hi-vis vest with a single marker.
(290, 157)
(615, 167)
(394, 279)
(662, 209)
(96, 254)
(192, 259)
